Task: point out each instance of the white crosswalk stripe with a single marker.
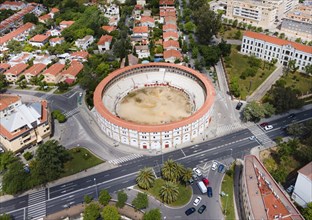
(37, 205)
(224, 129)
(125, 159)
(71, 112)
(259, 133)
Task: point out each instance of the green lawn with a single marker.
(236, 64)
(227, 201)
(82, 159)
(228, 32)
(298, 81)
(185, 192)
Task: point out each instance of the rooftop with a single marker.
(35, 69)
(56, 39)
(6, 100)
(16, 32)
(307, 170)
(170, 34)
(39, 38)
(74, 68)
(55, 69)
(140, 29)
(169, 27)
(67, 23)
(17, 69)
(147, 19)
(104, 39)
(108, 28)
(172, 53)
(80, 54)
(171, 43)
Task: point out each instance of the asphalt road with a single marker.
(58, 197)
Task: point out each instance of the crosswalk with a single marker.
(71, 112)
(225, 129)
(125, 159)
(37, 205)
(259, 133)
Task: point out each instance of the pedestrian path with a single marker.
(71, 112)
(259, 133)
(125, 159)
(225, 129)
(37, 205)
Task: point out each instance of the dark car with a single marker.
(264, 124)
(209, 192)
(239, 105)
(201, 209)
(221, 168)
(291, 115)
(190, 211)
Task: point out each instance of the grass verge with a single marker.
(227, 200)
(82, 159)
(298, 81)
(184, 197)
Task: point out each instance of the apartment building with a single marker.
(298, 22)
(85, 42)
(262, 197)
(267, 48)
(260, 13)
(22, 125)
(53, 73)
(34, 70)
(15, 72)
(69, 75)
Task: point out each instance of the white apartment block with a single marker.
(267, 48)
(259, 13)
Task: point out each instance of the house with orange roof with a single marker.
(170, 35)
(70, 74)
(34, 70)
(140, 31)
(57, 40)
(166, 2)
(81, 56)
(53, 12)
(171, 45)
(12, 5)
(18, 34)
(170, 20)
(170, 28)
(142, 51)
(104, 44)
(53, 73)
(147, 21)
(302, 193)
(22, 125)
(15, 72)
(172, 55)
(38, 40)
(268, 47)
(4, 67)
(44, 18)
(108, 28)
(66, 24)
(23, 57)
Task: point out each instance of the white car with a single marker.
(197, 171)
(268, 127)
(197, 201)
(1, 150)
(214, 165)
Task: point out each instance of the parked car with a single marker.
(195, 177)
(197, 171)
(239, 106)
(221, 168)
(190, 211)
(290, 189)
(209, 192)
(214, 165)
(191, 181)
(201, 209)
(1, 150)
(291, 115)
(264, 124)
(206, 181)
(268, 127)
(197, 201)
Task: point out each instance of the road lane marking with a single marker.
(72, 95)
(183, 153)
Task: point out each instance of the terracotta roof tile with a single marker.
(172, 53)
(74, 68)
(67, 23)
(108, 28)
(170, 34)
(45, 17)
(15, 33)
(140, 29)
(147, 19)
(104, 39)
(39, 38)
(6, 100)
(4, 66)
(171, 43)
(35, 69)
(54, 10)
(171, 27)
(166, 2)
(56, 39)
(82, 54)
(55, 69)
(17, 69)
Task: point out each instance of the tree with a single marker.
(3, 82)
(140, 201)
(291, 66)
(87, 199)
(195, 52)
(5, 216)
(104, 197)
(225, 48)
(307, 212)
(15, 46)
(169, 192)
(30, 17)
(272, 62)
(91, 212)
(110, 212)
(211, 54)
(153, 214)
(255, 111)
(238, 35)
(189, 27)
(62, 86)
(145, 178)
(187, 175)
(122, 199)
(169, 170)
(6, 159)
(308, 69)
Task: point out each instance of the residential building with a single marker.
(137, 11)
(267, 48)
(34, 70)
(147, 21)
(147, 12)
(112, 13)
(167, 11)
(57, 40)
(23, 125)
(53, 12)
(39, 40)
(4, 67)
(298, 22)
(23, 57)
(12, 5)
(108, 28)
(81, 56)
(260, 13)
(170, 28)
(44, 59)
(172, 55)
(141, 2)
(53, 73)
(44, 18)
(302, 193)
(133, 60)
(262, 197)
(69, 75)
(170, 20)
(140, 31)
(170, 35)
(104, 44)
(142, 51)
(66, 24)
(85, 42)
(171, 45)
(166, 2)
(54, 32)
(15, 72)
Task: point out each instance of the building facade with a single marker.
(267, 48)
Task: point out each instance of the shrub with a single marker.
(104, 197)
(87, 199)
(28, 155)
(122, 199)
(57, 114)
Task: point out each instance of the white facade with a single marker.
(268, 48)
(85, 42)
(142, 51)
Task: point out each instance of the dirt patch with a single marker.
(129, 212)
(264, 154)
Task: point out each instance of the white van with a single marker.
(202, 187)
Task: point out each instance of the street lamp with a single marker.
(96, 191)
(231, 151)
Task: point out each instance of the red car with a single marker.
(206, 181)
(264, 124)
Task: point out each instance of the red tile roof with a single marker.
(104, 39)
(39, 38)
(169, 27)
(56, 39)
(166, 2)
(147, 19)
(35, 69)
(108, 28)
(74, 68)
(172, 53)
(45, 17)
(138, 7)
(171, 43)
(54, 10)
(141, 29)
(170, 34)
(67, 23)
(17, 69)
(55, 69)
(6, 100)
(4, 66)
(307, 170)
(16, 33)
(278, 41)
(167, 13)
(12, 3)
(170, 18)
(82, 54)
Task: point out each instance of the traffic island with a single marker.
(227, 193)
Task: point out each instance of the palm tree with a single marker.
(169, 170)
(145, 178)
(180, 170)
(187, 175)
(169, 192)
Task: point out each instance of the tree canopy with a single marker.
(254, 111)
(91, 212)
(140, 201)
(110, 212)
(153, 214)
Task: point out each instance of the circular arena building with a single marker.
(155, 105)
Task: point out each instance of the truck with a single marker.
(202, 187)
